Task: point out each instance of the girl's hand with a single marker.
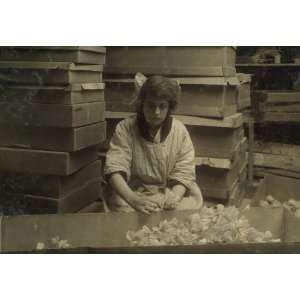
(143, 204)
(172, 200)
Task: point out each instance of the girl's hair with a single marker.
(159, 87)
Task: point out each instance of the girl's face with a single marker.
(155, 111)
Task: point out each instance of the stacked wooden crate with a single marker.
(276, 110)
(208, 106)
(51, 120)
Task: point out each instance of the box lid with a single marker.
(70, 87)
(98, 49)
(188, 80)
(49, 66)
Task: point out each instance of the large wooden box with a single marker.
(106, 233)
(207, 97)
(211, 138)
(48, 73)
(78, 198)
(49, 185)
(51, 115)
(45, 162)
(171, 61)
(212, 177)
(76, 54)
(52, 138)
(71, 94)
(215, 142)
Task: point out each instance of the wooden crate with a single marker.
(45, 162)
(108, 231)
(51, 115)
(280, 187)
(215, 177)
(52, 138)
(215, 142)
(207, 97)
(277, 106)
(78, 198)
(171, 61)
(48, 73)
(49, 185)
(70, 94)
(211, 137)
(75, 54)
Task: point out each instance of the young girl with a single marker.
(150, 162)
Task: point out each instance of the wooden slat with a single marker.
(281, 117)
(277, 161)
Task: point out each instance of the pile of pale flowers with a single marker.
(210, 225)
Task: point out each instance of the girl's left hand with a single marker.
(171, 201)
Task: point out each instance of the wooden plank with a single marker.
(49, 185)
(52, 138)
(51, 115)
(81, 55)
(277, 148)
(72, 202)
(277, 161)
(262, 172)
(291, 107)
(282, 96)
(250, 150)
(71, 94)
(281, 117)
(45, 162)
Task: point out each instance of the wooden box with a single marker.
(51, 115)
(71, 94)
(52, 138)
(75, 54)
(78, 198)
(211, 138)
(106, 233)
(45, 162)
(207, 97)
(171, 61)
(49, 185)
(48, 73)
(215, 142)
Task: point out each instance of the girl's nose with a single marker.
(157, 110)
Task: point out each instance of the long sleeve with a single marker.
(184, 169)
(119, 155)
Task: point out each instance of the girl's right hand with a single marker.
(141, 203)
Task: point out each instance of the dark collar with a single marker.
(143, 127)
